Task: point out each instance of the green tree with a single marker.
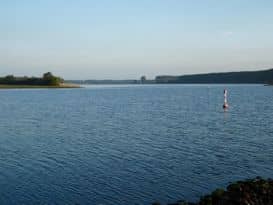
(9, 78)
(48, 75)
(50, 79)
(143, 79)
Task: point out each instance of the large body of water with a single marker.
(119, 145)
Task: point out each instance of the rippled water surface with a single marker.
(131, 144)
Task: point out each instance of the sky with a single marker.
(125, 39)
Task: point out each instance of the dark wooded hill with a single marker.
(261, 77)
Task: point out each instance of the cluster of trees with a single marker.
(47, 79)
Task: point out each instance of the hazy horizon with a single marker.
(124, 39)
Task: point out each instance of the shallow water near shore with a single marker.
(131, 144)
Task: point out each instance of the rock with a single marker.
(249, 192)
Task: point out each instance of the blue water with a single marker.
(131, 144)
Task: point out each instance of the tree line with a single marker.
(263, 77)
(47, 79)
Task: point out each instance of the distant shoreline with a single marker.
(61, 86)
(240, 77)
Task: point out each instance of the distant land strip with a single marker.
(48, 80)
(241, 77)
(63, 85)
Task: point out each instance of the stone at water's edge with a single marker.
(250, 192)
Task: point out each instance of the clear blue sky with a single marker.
(119, 39)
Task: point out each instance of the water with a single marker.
(131, 144)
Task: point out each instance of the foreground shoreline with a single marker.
(65, 85)
(256, 191)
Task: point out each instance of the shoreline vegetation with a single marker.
(243, 77)
(48, 80)
(256, 191)
(63, 85)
